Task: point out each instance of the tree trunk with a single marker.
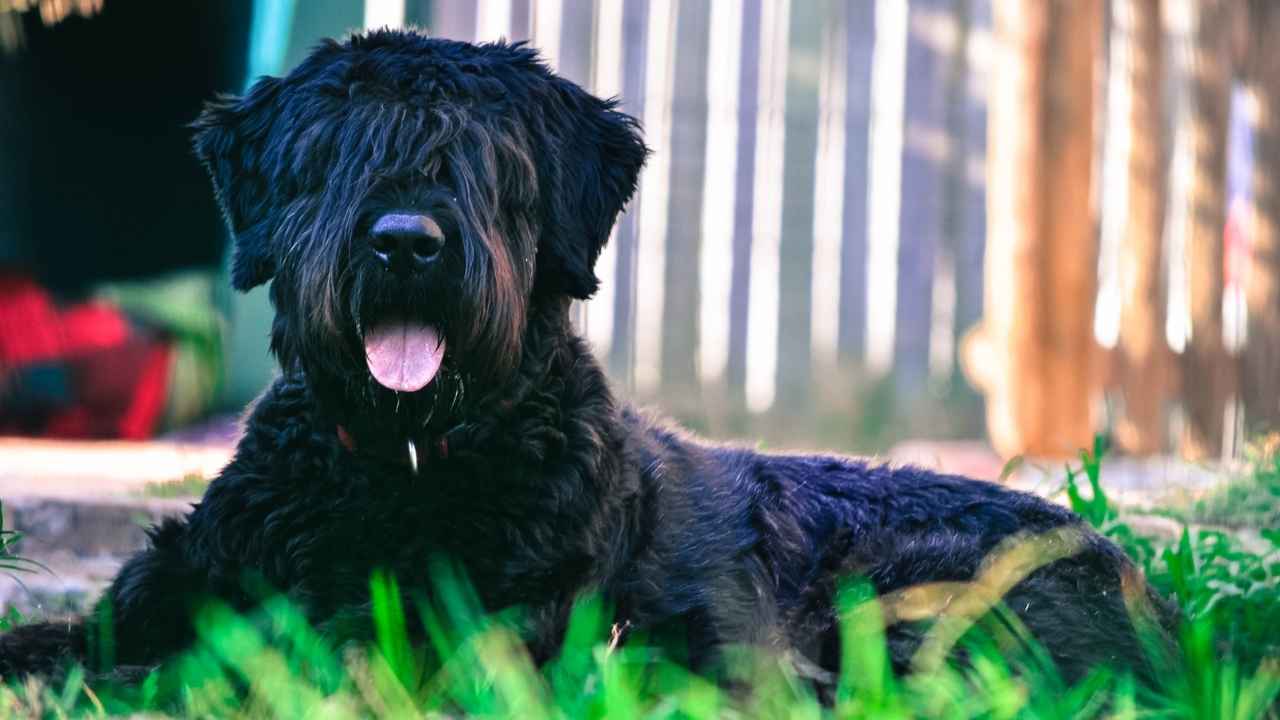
(1260, 364)
(1033, 355)
(1208, 369)
(1143, 360)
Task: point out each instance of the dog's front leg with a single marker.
(42, 649)
(147, 614)
(106, 643)
(143, 618)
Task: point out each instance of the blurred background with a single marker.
(1016, 223)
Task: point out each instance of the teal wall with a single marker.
(284, 32)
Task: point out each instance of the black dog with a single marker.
(425, 211)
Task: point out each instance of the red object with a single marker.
(1236, 244)
(29, 327)
(110, 375)
(345, 438)
(349, 442)
(144, 412)
(93, 326)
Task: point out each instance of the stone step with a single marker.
(57, 586)
(83, 508)
(1134, 483)
(75, 547)
(111, 527)
(94, 469)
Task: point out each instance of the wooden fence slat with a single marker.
(716, 223)
(635, 42)
(744, 198)
(963, 212)
(828, 201)
(454, 19)
(574, 47)
(969, 246)
(384, 14)
(653, 226)
(684, 209)
(521, 20)
(576, 32)
(884, 184)
(925, 147)
(949, 170)
(606, 82)
(859, 18)
(767, 207)
(795, 259)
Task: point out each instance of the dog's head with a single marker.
(412, 200)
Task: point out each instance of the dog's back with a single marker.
(782, 533)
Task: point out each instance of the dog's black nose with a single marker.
(406, 242)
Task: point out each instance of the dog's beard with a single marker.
(407, 357)
(411, 378)
(356, 398)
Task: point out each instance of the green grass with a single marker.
(14, 566)
(1251, 501)
(1226, 663)
(192, 485)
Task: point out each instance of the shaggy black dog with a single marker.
(425, 211)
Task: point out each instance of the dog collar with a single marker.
(410, 454)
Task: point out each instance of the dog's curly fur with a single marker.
(543, 486)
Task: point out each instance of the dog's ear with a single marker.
(596, 163)
(232, 141)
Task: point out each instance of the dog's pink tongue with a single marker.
(403, 356)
